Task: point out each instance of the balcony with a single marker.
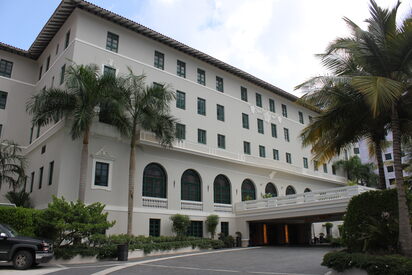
(154, 202)
(191, 205)
(327, 201)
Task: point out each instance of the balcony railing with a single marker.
(220, 207)
(297, 199)
(191, 205)
(154, 202)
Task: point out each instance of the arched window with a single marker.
(154, 181)
(248, 190)
(221, 190)
(290, 190)
(307, 190)
(191, 189)
(271, 189)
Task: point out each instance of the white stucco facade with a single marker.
(87, 44)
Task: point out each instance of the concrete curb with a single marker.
(352, 271)
(134, 254)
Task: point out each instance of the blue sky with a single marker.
(275, 40)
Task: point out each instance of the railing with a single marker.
(154, 202)
(220, 207)
(191, 205)
(315, 196)
(273, 164)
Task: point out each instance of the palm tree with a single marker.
(12, 164)
(383, 55)
(358, 172)
(146, 108)
(86, 90)
(343, 120)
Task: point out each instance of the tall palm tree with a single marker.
(383, 53)
(358, 172)
(146, 108)
(343, 120)
(85, 91)
(12, 164)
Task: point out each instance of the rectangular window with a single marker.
(48, 63)
(159, 60)
(246, 148)
(195, 229)
(180, 100)
(101, 174)
(356, 150)
(3, 100)
(272, 105)
(219, 84)
(180, 131)
(288, 158)
(286, 132)
(224, 228)
(31, 134)
(107, 70)
(154, 227)
(112, 42)
(181, 69)
(261, 130)
(51, 170)
(66, 42)
(258, 100)
(221, 141)
(301, 118)
(40, 72)
(31, 182)
(346, 154)
(262, 151)
(325, 168)
(389, 168)
(274, 130)
(201, 136)
(38, 131)
(245, 121)
(310, 119)
(201, 106)
(315, 165)
(305, 163)
(41, 176)
(388, 156)
(201, 77)
(6, 68)
(392, 181)
(275, 154)
(62, 73)
(334, 169)
(52, 82)
(284, 110)
(220, 112)
(243, 93)
(43, 149)
(57, 49)
(1, 129)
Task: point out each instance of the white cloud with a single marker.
(273, 40)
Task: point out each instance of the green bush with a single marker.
(372, 264)
(24, 220)
(228, 241)
(370, 224)
(211, 223)
(69, 223)
(180, 224)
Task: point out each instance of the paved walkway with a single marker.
(257, 260)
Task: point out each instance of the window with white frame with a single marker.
(102, 174)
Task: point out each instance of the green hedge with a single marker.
(370, 224)
(372, 264)
(106, 247)
(24, 220)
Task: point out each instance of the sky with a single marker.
(275, 40)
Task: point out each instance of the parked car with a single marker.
(24, 252)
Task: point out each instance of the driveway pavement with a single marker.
(256, 260)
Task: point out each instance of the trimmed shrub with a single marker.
(180, 224)
(211, 223)
(371, 222)
(372, 264)
(24, 220)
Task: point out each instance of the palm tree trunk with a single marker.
(84, 163)
(405, 233)
(378, 153)
(132, 177)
